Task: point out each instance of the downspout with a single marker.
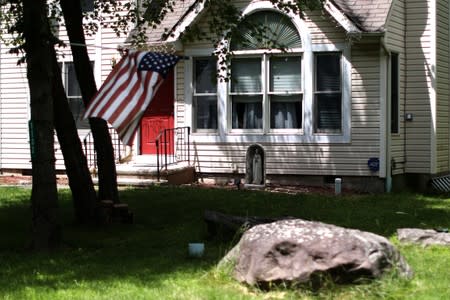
(385, 75)
(1, 114)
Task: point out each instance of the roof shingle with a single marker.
(368, 15)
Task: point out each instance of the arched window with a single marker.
(266, 90)
(266, 30)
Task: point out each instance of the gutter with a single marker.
(341, 18)
(188, 17)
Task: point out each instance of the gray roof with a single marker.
(171, 20)
(368, 15)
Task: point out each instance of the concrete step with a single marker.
(131, 174)
(137, 182)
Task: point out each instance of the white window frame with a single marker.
(265, 93)
(189, 94)
(316, 93)
(65, 79)
(195, 94)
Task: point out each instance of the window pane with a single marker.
(285, 112)
(206, 112)
(247, 112)
(265, 30)
(205, 75)
(246, 75)
(328, 72)
(285, 74)
(77, 107)
(328, 112)
(394, 93)
(72, 87)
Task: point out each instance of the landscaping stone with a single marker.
(297, 251)
(424, 237)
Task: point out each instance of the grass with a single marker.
(148, 259)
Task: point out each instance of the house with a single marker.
(361, 94)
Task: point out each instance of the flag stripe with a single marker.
(126, 93)
(126, 90)
(129, 89)
(128, 133)
(139, 104)
(100, 99)
(128, 113)
(118, 84)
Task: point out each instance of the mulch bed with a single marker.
(274, 188)
(23, 180)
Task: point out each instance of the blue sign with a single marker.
(374, 164)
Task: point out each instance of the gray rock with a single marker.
(423, 237)
(297, 251)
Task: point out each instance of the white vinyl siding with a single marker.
(14, 97)
(442, 96)
(395, 41)
(14, 109)
(419, 86)
(284, 155)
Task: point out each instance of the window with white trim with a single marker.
(285, 92)
(205, 94)
(73, 94)
(265, 90)
(301, 94)
(327, 93)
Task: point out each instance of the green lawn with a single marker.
(148, 259)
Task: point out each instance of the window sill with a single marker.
(208, 133)
(327, 133)
(286, 131)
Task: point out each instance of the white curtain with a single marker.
(284, 115)
(206, 112)
(252, 115)
(247, 115)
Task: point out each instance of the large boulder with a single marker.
(424, 237)
(297, 251)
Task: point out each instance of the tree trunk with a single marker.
(107, 176)
(80, 181)
(44, 194)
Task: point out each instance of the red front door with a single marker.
(158, 116)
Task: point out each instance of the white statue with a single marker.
(257, 175)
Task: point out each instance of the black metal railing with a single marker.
(91, 154)
(172, 147)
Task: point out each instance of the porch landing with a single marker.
(142, 171)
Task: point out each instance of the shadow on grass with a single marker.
(167, 218)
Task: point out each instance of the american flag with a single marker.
(129, 89)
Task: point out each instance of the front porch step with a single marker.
(136, 182)
(141, 176)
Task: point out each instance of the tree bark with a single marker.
(44, 195)
(83, 193)
(107, 176)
